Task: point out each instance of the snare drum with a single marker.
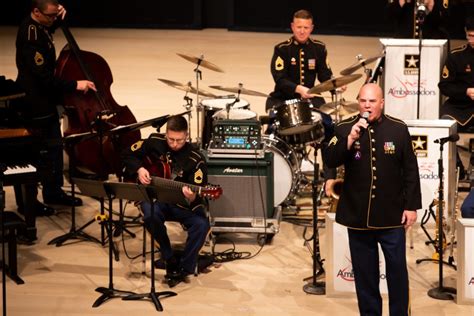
(210, 107)
(294, 117)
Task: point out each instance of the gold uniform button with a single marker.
(373, 140)
(373, 149)
(373, 159)
(373, 196)
(371, 130)
(373, 187)
(374, 168)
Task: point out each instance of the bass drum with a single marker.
(285, 168)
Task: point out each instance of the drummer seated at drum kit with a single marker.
(295, 66)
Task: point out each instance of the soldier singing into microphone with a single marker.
(379, 199)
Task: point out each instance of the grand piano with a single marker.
(20, 151)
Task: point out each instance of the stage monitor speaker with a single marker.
(247, 186)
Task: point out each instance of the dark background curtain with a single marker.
(365, 18)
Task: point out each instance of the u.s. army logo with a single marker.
(198, 176)
(445, 72)
(279, 64)
(39, 60)
(137, 145)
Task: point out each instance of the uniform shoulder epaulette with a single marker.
(32, 32)
(459, 49)
(397, 120)
(317, 42)
(285, 43)
(348, 120)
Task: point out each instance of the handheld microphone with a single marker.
(364, 116)
(420, 10)
(450, 138)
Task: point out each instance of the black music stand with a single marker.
(100, 189)
(151, 195)
(71, 141)
(317, 288)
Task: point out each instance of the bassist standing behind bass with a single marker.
(36, 62)
(172, 156)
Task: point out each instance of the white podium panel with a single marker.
(465, 259)
(423, 134)
(339, 274)
(400, 81)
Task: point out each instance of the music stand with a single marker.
(3, 167)
(71, 141)
(151, 195)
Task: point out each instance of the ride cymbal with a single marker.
(361, 63)
(201, 62)
(333, 83)
(240, 90)
(343, 107)
(187, 87)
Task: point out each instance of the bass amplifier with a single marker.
(247, 202)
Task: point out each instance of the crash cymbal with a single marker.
(345, 108)
(240, 90)
(361, 63)
(333, 83)
(201, 62)
(187, 87)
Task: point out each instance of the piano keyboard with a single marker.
(19, 169)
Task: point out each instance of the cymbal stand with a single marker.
(198, 107)
(188, 106)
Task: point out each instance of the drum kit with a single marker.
(295, 126)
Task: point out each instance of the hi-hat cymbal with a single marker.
(343, 107)
(201, 62)
(240, 90)
(333, 83)
(187, 87)
(361, 63)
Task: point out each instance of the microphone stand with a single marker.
(420, 19)
(441, 292)
(188, 106)
(317, 288)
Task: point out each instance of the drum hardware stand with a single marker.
(188, 106)
(151, 195)
(318, 288)
(198, 108)
(230, 105)
(70, 142)
(441, 292)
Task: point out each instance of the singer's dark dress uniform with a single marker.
(381, 180)
(187, 165)
(457, 76)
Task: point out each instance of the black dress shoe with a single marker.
(43, 210)
(63, 199)
(181, 276)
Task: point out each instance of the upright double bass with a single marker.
(94, 112)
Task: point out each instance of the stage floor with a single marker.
(62, 280)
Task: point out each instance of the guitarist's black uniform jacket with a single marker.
(187, 165)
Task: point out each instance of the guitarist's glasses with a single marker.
(176, 140)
